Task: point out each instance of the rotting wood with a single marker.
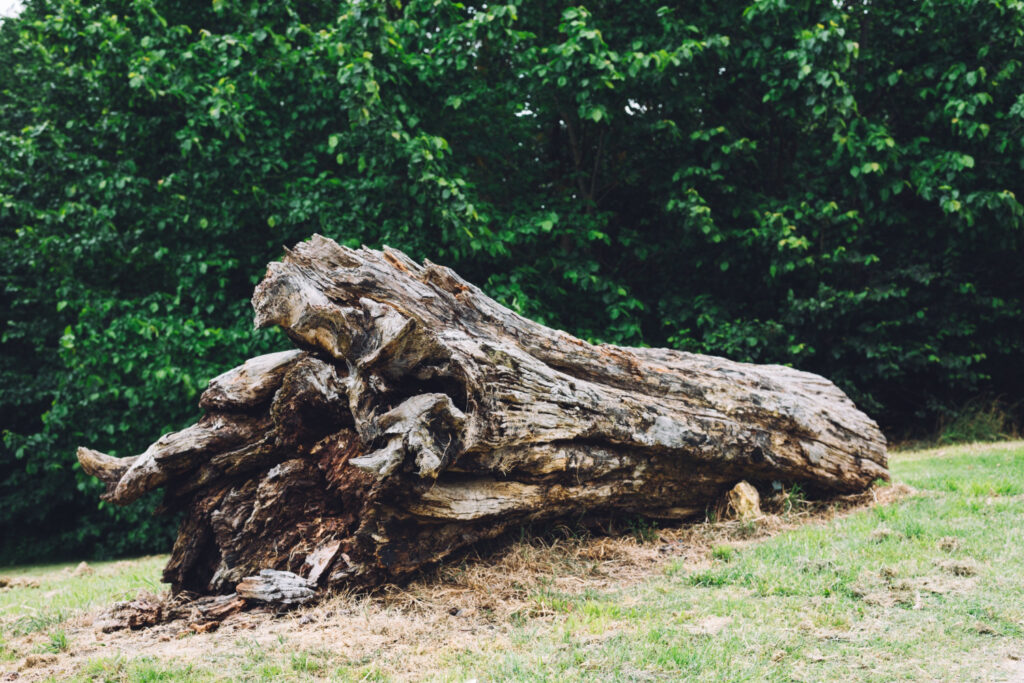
(145, 611)
(418, 416)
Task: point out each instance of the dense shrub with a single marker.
(829, 185)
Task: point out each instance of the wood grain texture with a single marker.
(417, 415)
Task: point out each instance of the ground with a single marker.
(921, 580)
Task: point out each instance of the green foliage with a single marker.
(978, 421)
(723, 553)
(643, 530)
(827, 185)
(793, 499)
(58, 642)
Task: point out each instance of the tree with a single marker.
(417, 416)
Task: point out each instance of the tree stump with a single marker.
(417, 415)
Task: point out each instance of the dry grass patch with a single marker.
(475, 604)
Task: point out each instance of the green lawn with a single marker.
(928, 588)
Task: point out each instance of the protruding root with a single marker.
(104, 467)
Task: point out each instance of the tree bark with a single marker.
(417, 416)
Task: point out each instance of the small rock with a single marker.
(305, 619)
(744, 501)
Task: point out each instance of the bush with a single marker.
(979, 420)
(828, 186)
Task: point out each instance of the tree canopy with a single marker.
(831, 185)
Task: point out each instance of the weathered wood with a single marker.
(276, 586)
(143, 612)
(419, 415)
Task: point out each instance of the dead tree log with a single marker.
(417, 416)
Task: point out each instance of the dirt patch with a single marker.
(83, 569)
(885, 589)
(9, 582)
(1012, 668)
(461, 606)
(36, 660)
(964, 567)
(710, 626)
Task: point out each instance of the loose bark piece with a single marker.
(317, 562)
(276, 586)
(418, 416)
(152, 610)
(131, 614)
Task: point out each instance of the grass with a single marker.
(930, 587)
(55, 593)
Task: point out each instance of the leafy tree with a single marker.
(832, 185)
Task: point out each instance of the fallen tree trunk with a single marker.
(418, 415)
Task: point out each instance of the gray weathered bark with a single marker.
(418, 415)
